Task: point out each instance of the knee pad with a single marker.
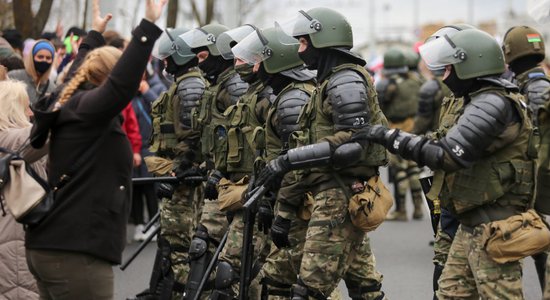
(199, 258)
(199, 243)
(225, 276)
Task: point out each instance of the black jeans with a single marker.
(68, 275)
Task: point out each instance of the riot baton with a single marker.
(210, 267)
(250, 209)
(167, 179)
(139, 249)
(151, 222)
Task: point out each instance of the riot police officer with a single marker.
(398, 97)
(523, 49)
(344, 102)
(225, 88)
(491, 131)
(175, 140)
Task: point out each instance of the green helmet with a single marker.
(522, 41)
(395, 61)
(277, 51)
(473, 53)
(449, 30)
(411, 58)
(324, 26)
(204, 37)
(169, 44)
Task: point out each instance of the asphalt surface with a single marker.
(403, 255)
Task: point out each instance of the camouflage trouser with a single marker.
(471, 274)
(442, 245)
(232, 251)
(406, 177)
(335, 249)
(178, 218)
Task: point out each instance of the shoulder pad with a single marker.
(235, 86)
(498, 81)
(347, 93)
(289, 106)
(191, 88)
(535, 91)
(344, 77)
(429, 88)
(484, 119)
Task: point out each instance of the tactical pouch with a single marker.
(305, 210)
(230, 194)
(235, 147)
(368, 209)
(516, 237)
(163, 138)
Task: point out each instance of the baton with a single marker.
(139, 249)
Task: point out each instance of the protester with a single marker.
(38, 66)
(17, 282)
(71, 252)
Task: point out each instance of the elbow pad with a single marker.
(414, 147)
(309, 156)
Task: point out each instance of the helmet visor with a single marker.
(441, 52)
(283, 37)
(197, 37)
(252, 49)
(164, 46)
(302, 24)
(228, 39)
(450, 31)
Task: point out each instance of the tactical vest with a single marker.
(506, 176)
(245, 132)
(404, 102)
(542, 201)
(163, 114)
(211, 122)
(317, 125)
(274, 143)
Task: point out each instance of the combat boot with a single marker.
(400, 213)
(418, 213)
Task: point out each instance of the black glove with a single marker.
(264, 217)
(210, 189)
(279, 232)
(165, 190)
(272, 175)
(192, 176)
(370, 133)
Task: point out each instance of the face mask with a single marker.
(209, 65)
(41, 66)
(458, 86)
(310, 57)
(264, 76)
(246, 73)
(171, 67)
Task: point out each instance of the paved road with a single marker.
(402, 251)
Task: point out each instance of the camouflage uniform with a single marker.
(179, 214)
(398, 96)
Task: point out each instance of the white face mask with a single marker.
(167, 75)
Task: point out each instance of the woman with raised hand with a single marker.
(71, 252)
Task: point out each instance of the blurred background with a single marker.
(377, 24)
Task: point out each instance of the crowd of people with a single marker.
(262, 142)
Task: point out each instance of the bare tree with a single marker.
(209, 12)
(26, 22)
(6, 14)
(172, 14)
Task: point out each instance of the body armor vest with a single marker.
(403, 104)
(276, 142)
(245, 131)
(164, 114)
(316, 124)
(211, 122)
(506, 176)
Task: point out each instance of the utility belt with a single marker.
(486, 214)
